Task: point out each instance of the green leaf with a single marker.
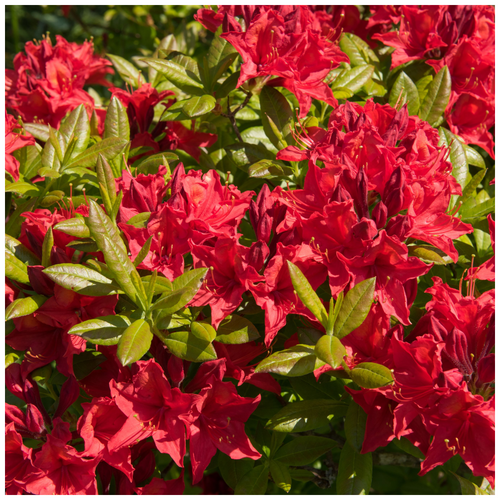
(15, 269)
(108, 148)
(150, 164)
(437, 97)
(105, 330)
(468, 487)
(86, 362)
(355, 472)
(306, 294)
(309, 336)
(245, 154)
(57, 143)
(74, 227)
(349, 47)
(162, 284)
(37, 130)
(48, 243)
(354, 79)
(408, 447)
(235, 329)
(404, 91)
(227, 86)
(198, 105)
(371, 375)
(116, 123)
(426, 253)
(31, 162)
(470, 188)
(304, 449)
(354, 426)
(81, 279)
(342, 93)
(221, 55)
(281, 475)
(325, 388)
(143, 252)
(115, 254)
(129, 73)
(293, 362)
(232, 471)
(134, 342)
(275, 107)
(203, 331)
(458, 157)
(177, 74)
(481, 210)
(24, 188)
(254, 482)
(473, 157)
(422, 85)
(265, 169)
(24, 307)
(77, 125)
(304, 416)
(330, 350)
(22, 253)
(186, 345)
(355, 307)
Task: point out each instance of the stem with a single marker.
(231, 114)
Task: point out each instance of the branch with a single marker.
(232, 114)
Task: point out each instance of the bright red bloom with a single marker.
(154, 409)
(13, 142)
(158, 486)
(62, 470)
(220, 425)
(48, 81)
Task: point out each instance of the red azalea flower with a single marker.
(13, 142)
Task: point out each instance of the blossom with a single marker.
(13, 142)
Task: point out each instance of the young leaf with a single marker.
(304, 416)
(48, 243)
(266, 169)
(81, 279)
(143, 252)
(129, 73)
(355, 472)
(254, 482)
(473, 157)
(37, 130)
(236, 330)
(355, 308)
(105, 330)
(198, 105)
(106, 178)
(330, 350)
(371, 375)
(293, 362)
(16, 248)
(74, 227)
(15, 269)
(458, 157)
(303, 450)
(134, 342)
(77, 125)
(108, 148)
(187, 346)
(437, 97)
(306, 294)
(281, 475)
(24, 307)
(354, 426)
(405, 91)
(355, 78)
(203, 331)
(116, 123)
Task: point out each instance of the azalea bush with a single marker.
(255, 257)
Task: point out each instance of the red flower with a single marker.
(220, 425)
(13, 142)
(154, 409)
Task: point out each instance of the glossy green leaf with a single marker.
(254, 482)
(437, 97)
(304, 416)
(37, 130)
(426, 253)
(355, 472)
(330, 350)
(81, 279)
(276, 110)
(281, 475)
(84, 245)
(150, 164)
(354, 426)
(116, 123)
(162, 284)
(198, 105)
(458, 157)
(293, 362)
(404, 91)
(15, 269)
(325, 388)
(309, 336)
(77, 125)
(355, 307)
(31, 161)
(129, 73)
(371, 375)
(235, 329)
(108, 148)
(13, 225)
(203, 331)
(476, 211)
(85, 363)
(24, 307)
(57, 143)
(74, 227)
(471, 186)
(232, 471)
(468, 487)
(105, 330)
(134, 342)
(221, 55)
(143, 252)
(21, 252)
(304, 450)
(306, 294)
(48, 243)
(245, 154)
(349, 47)
(24, 188)
(187, 346)
(354, 79)
(473, 157)
(342, 93)
(227, 86)
(266, 169)
(115, 253)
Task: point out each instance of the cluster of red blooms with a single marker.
(376, 178)
(461, 37)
